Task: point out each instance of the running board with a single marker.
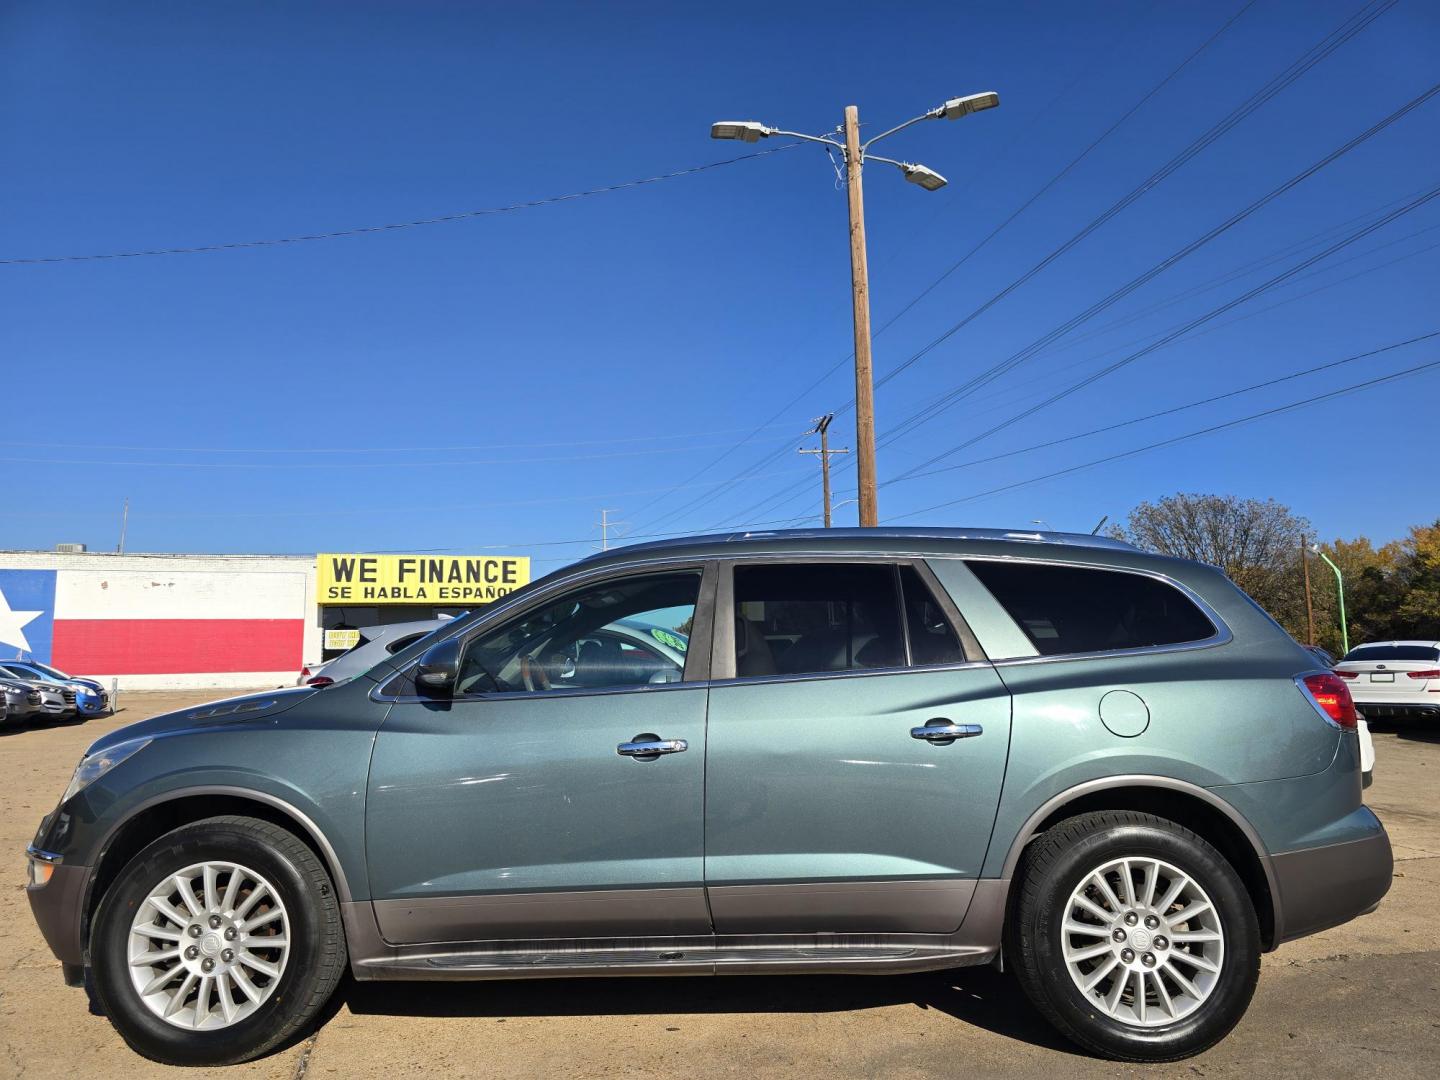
(572, 962)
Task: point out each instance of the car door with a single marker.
(857, 744)
(539, 802)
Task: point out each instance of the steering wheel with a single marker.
(533, 674)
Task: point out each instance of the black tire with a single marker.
(1054, 866)
(316, 962)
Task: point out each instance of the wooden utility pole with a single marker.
(822, 427)
(1309, 602)
(860, 290)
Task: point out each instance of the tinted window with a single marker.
(932, 638)
(1067, 609)
(579, 642)
(1393, 652)
(798, 620)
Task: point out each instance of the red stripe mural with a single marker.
(163, 646)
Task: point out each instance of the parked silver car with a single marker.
(375, 644)
(1392, 680)
(56, 700)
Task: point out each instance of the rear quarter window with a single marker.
(1073, 609)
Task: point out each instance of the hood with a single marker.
(236, 710)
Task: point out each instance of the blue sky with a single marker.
(605, 352)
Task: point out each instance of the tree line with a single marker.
(1391, 591)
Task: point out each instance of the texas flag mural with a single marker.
(128, 622)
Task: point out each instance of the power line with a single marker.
(365, 230)
(1065, 172)
(951, 397)
(379, 449)
(1328, 366)
(1312, 56)
(745, 474)
(1357, 22)
(287, 466)
(1199, 320)
(1175, 440)
(793, 489)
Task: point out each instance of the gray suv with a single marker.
(882, 750)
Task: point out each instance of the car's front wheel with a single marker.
(217, 943)
(1134, 936)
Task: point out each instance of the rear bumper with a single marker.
(1321, 887)
(1399, 710)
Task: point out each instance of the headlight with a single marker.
(93, 766)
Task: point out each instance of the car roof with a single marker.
(1078, 547)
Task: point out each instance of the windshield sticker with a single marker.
(667, 638)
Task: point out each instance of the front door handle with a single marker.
(942, 732)
(648, 747)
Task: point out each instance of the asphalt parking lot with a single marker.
(1360, 999)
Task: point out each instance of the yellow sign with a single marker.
(341, 639)
(450, 580)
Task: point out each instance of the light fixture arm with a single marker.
(931, 115)
(808, 138)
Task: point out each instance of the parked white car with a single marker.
(1392, 680)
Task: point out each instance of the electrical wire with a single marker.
(1199, 320)
(1315, 370)
(365, 230)
(1357, 22)
(959, 393)
(794, 490)
(748, 474)
(1177, 439)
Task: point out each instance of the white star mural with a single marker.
(13, 623)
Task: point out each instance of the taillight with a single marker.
(1424, 674)
(305, 672)
(1332, 697)
(1347, 674)
(319, 680)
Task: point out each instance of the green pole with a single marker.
(1340, 588)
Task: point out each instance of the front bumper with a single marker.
(1325, 886)
(58, 906)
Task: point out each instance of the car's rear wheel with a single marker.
(1134, 936)
(217, 943)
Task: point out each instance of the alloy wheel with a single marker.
(1142, 941)
(209, 945)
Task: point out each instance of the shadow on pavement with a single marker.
(979, 996)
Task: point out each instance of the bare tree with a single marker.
(1255, 542)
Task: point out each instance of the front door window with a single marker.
(630, 632)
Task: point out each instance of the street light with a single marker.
(1340, 589)
(854, 154)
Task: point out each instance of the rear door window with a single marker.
(803, 619)
(932, 637)
(1072, 609)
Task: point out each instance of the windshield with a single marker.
(54, 673)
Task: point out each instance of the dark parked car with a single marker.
(885, 751)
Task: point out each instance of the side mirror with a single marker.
(438, 669)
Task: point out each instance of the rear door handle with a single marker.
(942, 732)
(647, 747)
